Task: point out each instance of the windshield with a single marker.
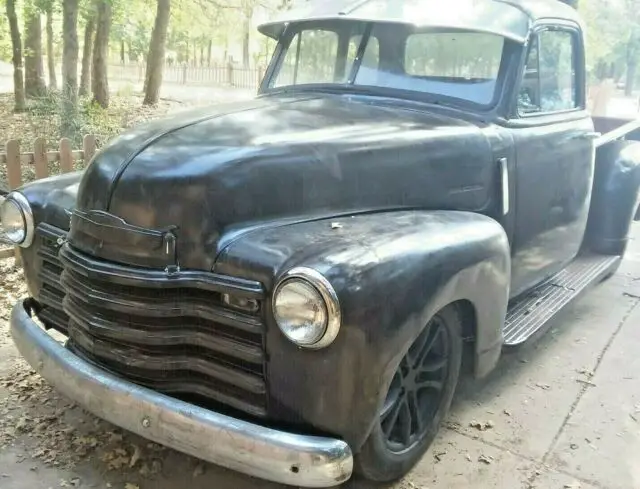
(457, 64)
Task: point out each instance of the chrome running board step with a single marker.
(529, 314)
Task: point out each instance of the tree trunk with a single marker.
(631, 77)
(155, 60)
(85, 75)
(209, 49)
(34, 85)
(69, 65)
(51, 59)
(99, 74)
(20, 103)
(201, 54)
(122, 55)
(245, 39)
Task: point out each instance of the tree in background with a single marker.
(16, 43)
(633, 53)
(51, 58)
(69, 64)
(89, 30)
(155, 60)
(34, 84)
(99, 72)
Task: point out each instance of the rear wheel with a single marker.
(418, 399)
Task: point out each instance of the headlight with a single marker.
(17, 219)
(306, 308)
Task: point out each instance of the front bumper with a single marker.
(307, 461)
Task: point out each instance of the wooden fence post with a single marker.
(66, 156)
(89, 148)
(40, 158)
(14, 174)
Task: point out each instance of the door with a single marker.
(555, 156)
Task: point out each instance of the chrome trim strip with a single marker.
(504, 178)
(307, 461)
(328, 293)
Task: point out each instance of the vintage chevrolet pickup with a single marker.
(291, 286)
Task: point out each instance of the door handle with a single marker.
(504, 184)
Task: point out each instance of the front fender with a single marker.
(51, 200)
(392, 272)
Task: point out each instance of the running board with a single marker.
(530, 313)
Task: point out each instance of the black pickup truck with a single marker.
(289, 286)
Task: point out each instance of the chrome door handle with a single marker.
(504, 184)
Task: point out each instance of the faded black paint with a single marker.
(392, 272)
(288, 158)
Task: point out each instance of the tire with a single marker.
(394, 446)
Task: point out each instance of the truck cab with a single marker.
(290, 286)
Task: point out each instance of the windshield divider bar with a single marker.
(360, 54)
(295, 71)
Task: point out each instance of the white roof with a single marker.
(509, 18)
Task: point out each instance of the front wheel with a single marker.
(417, 401)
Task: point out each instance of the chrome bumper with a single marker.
(307, 461)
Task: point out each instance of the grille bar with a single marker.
(159, 335)
(154, 304)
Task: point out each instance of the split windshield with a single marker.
(457, 64)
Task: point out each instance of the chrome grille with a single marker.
(176, 338)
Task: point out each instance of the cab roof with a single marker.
(508, 18)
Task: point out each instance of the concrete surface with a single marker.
(564, 411)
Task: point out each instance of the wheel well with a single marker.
(469, 324)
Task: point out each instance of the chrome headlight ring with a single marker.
(317, 281)
(22, 204)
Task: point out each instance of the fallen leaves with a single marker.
(135, 457)
(481, 425)
(485, 459)
(438, 456)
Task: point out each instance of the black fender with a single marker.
(614, 200)
(392, 272)
(52, 200)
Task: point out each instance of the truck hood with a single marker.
(210, 175)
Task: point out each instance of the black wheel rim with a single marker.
(417, 389)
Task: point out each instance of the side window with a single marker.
(549, 82)
(311, 58)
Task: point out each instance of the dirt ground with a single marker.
(561, 413)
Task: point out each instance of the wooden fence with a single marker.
(39, 158)
(228, 75)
